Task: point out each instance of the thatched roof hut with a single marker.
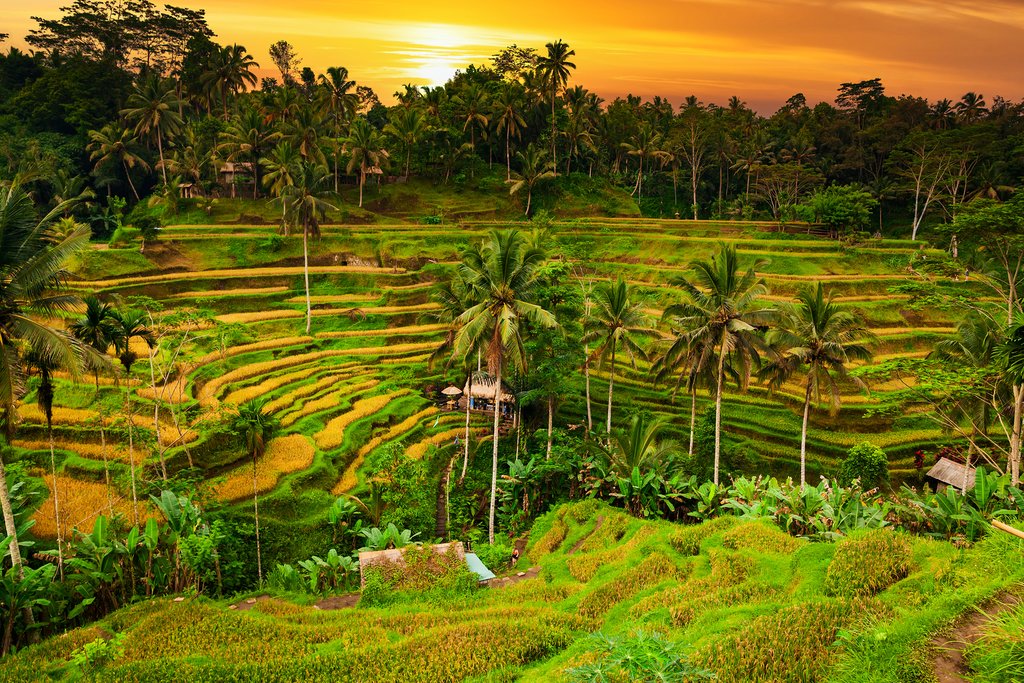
(952, 473)
(483, 388)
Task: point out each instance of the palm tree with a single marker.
(256, 428)
(153, 108)
(366, 151)
(280, 167)
(691, 364)
(721, 315)
(307, 207)
(554, 67)
(128, 325)
(408, 125)
(504, 274)
(116, 144)
(533, 168)
(247, 138)
(231, 70)
(45, 367)
(303, 130)
(31, 271)
(646, 144)
(95, 330)
(819, 339)
(616, 320)
(508, 105)
(971, 107)
(341, 104)
(636, 456)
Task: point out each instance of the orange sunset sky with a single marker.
(762, 50)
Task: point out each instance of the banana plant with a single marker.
(19, 594)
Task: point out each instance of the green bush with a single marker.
(431, 575)
(868, 564)
(495, 556)
(760, 536)
(867, 463)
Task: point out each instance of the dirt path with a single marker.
(949, 664)
(249, 603)
(505, 581)
(338, 602)
(597, 525)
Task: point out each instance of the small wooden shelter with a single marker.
(948, 472)
(232, 174)
(482, 389)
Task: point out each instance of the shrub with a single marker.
(868, 564)
(435, 576)
(582, 511)
(866, 462)
(637, 657)
(495, 556)
(687, 540)
(759, 536)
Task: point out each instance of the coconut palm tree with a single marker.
(408, 125)
(341, 103)
(504, 273)
(247, 139)
(116, 144)
(818, 338)
(616, 321)
(533, 168)
(721, 315)
(95, 330)
(153, 108)
(230, 72)
(555, 68)
(31, 273)
(690, 363)
(1010, 360)
(279, 166)
(255, 427)
(366, 152)
(508, 107)
(128, 325)
(303, 130)
(472, 104)
(645, 145)
(305, 202)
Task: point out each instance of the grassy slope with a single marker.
(747, 601)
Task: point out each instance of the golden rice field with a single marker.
(422, 447)
(239, 349)
(333, 433)
(240, 396)
(287, 399)
(327, 401)
(228, 273)
(87, 449)
(80, 502)
(264, 316)
(284, 455)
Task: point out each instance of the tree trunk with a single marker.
(529, 198)
(106, 467)
(508, 160)
(551, 422)
(693, 416)
(305, 274)
(256, 517)
(56, 504)
(160, 149)
(156, 412)
(1015, 437)
(803, 437)
(494, 455)
(465, 457)
(611, 382)
(131, 449)
(718, 409)
(128, 176)
(362, 181)
(554, 158)
(9, 526)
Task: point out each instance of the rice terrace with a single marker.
(498, 378)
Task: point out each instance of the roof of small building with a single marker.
(952, 473)
(483, 387)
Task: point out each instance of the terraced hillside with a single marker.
(739, 599)
(356, 382)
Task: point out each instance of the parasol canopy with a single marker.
(451, 391)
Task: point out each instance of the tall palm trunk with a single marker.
(551, 422)
(56, 504)
(256, 517)
(156, 412)
(14, 549)
(362, 181)
(718, 408)
(494, 452)
(305, 274)
(465, 454)
(693, 416)
(128, 176)
(106, 467)
(508, 159)
(529, 198)
(611, 383)
(554, 158)
(803, 436)
(160, 149)
(131, 448)
(1015, 437)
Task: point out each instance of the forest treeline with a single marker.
(133, 100)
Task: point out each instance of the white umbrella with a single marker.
(451, 391)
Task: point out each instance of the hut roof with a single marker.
(952, 473)
(483, 387)
(397, 555)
